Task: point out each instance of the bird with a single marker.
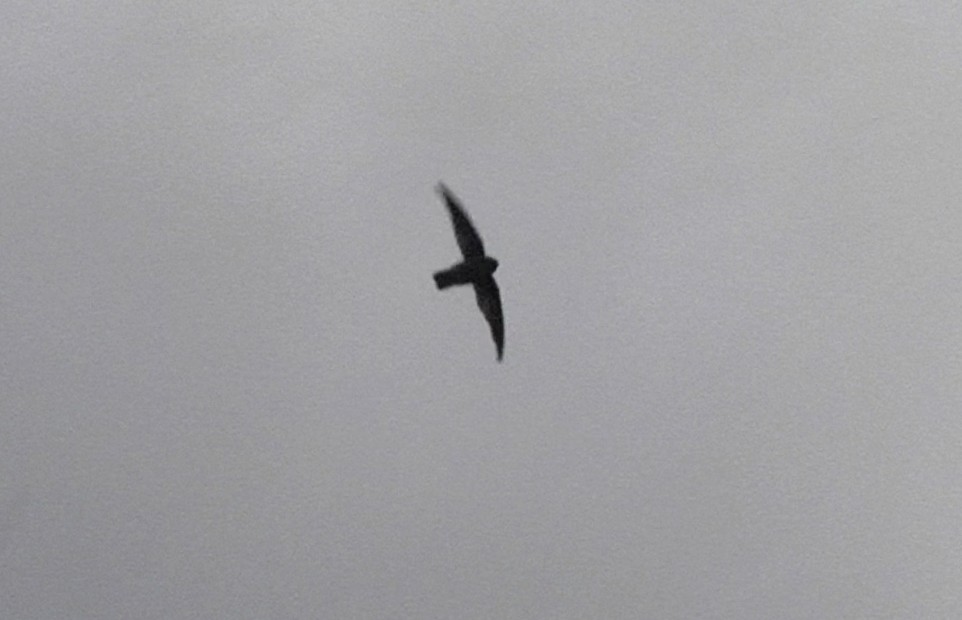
(477, 268)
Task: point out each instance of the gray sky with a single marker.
(730, 262)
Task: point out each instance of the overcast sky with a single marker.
(730, 238)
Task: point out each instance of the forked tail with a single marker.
(444, 279)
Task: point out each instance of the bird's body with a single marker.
(466, 272)
(476, 269)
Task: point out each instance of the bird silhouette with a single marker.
(477, 268)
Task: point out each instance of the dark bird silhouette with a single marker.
(476, 269)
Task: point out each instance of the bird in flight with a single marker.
(477, 268)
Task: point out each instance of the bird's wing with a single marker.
(468, 239)
(489, 300)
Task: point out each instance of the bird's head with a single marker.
(492, 263)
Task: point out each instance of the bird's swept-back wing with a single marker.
(489, 300)
(468, 239)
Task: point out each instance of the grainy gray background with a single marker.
(730, 254)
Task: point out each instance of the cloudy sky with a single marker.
(730, 238)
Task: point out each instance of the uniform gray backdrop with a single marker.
(729, 237)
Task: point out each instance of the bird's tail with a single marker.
(445, 278)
